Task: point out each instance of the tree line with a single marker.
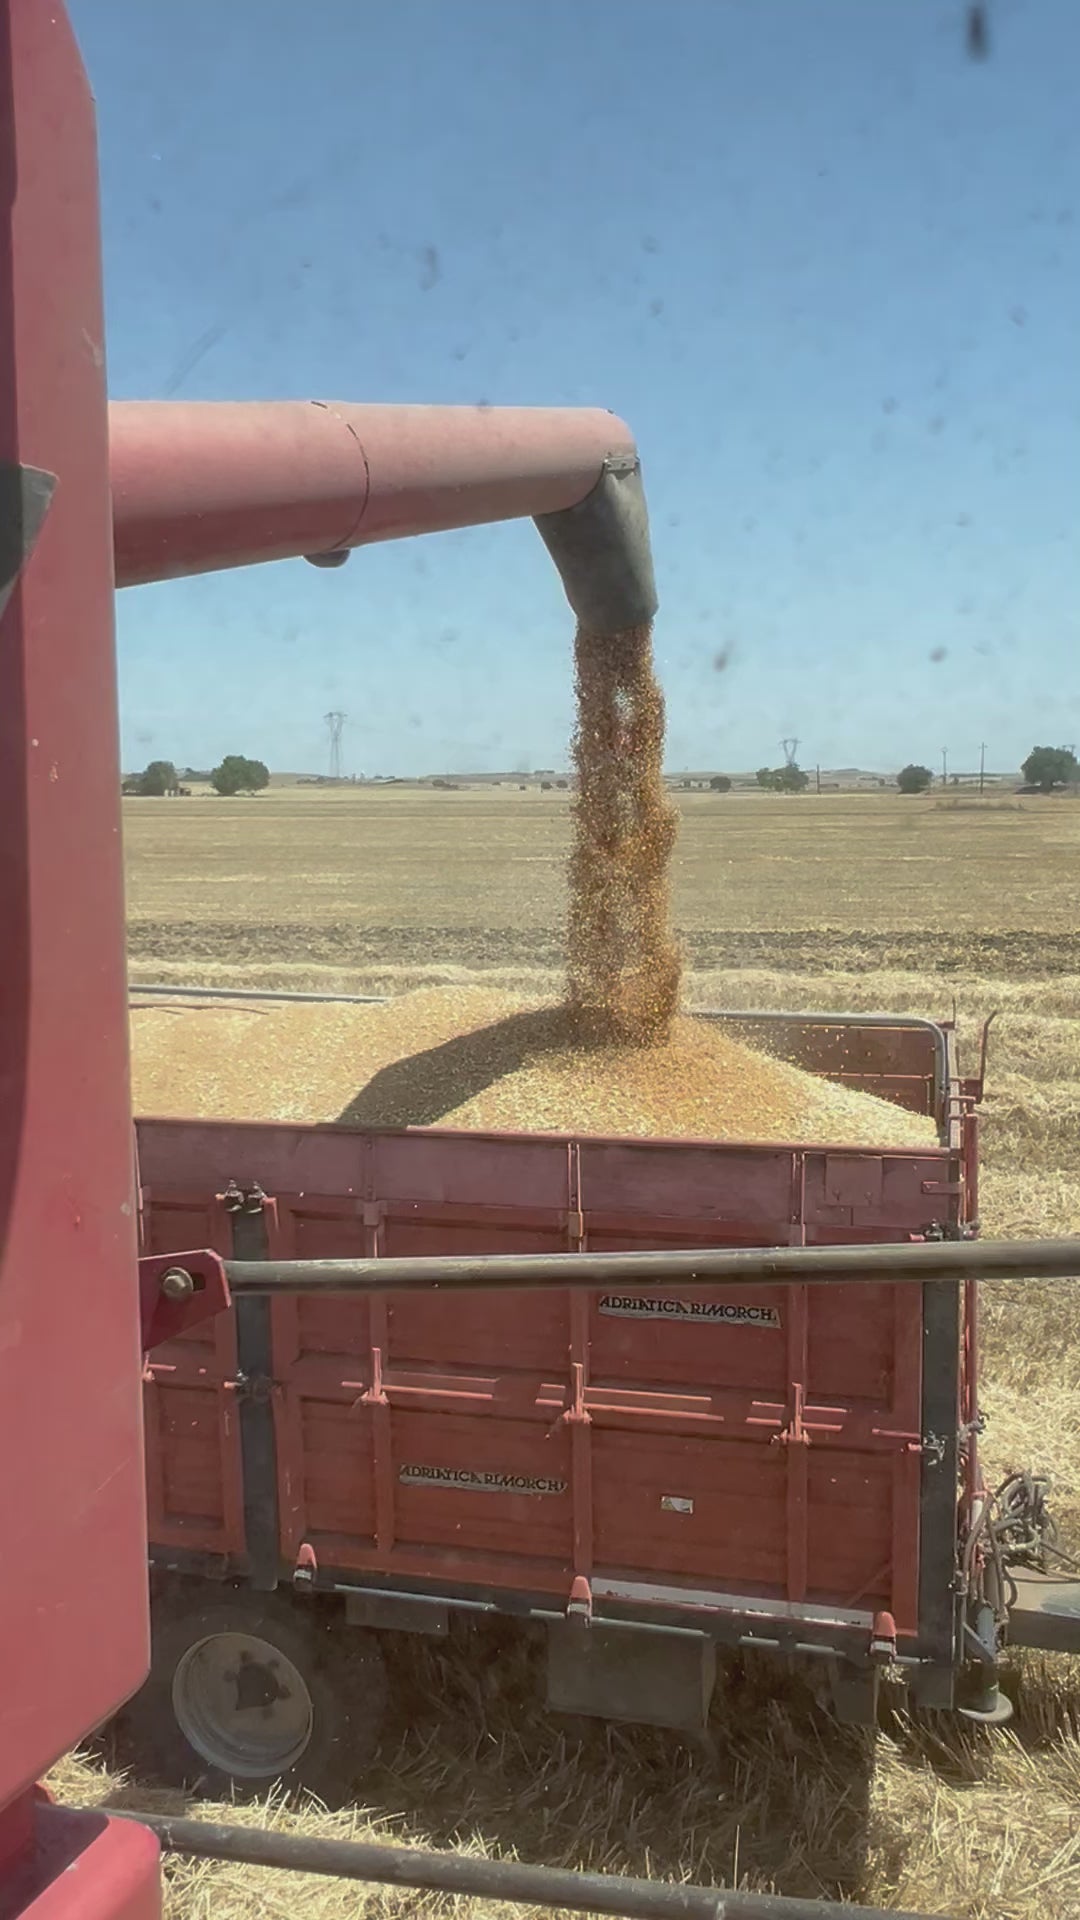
(235, 774)
(1046, 770)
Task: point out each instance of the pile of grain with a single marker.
(623, 964)
(470, 1058)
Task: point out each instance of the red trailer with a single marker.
(651, 1475)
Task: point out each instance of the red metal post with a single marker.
(73, 1609)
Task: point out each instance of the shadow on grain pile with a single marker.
(419, 1090)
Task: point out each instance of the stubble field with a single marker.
(845, 902)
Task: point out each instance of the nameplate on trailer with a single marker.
(468, 1480)
(725, 1313)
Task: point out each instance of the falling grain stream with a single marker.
(623, 963)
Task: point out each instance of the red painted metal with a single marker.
(83, 1866)
(200, 485)
(779, 1461)
(165, 1318)
(195, 1488)
(73, 1620)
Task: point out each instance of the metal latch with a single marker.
(257, 1388)
(913, 1442)
(577, 1413)
(795, 1433)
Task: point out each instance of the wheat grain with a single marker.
(471, 1058)
(623, 965)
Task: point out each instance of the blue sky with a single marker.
(824, 264)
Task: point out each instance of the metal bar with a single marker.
(939, 1603)
(456, 1873)
(909, 1264)
(246, 993)
(255, 1413)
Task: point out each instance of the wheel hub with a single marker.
(243, 1705)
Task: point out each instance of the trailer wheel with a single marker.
(257, 1690)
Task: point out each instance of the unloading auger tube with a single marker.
(200, 486)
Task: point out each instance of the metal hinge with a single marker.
(577, 1413)
(795, 1433)
(249, 1199)
(939, 1230)
(375, 1395)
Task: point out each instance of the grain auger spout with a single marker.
(201, 486)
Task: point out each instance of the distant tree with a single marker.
(1050, 767)
(237, 774)
(720, 783)
(914, 779)
(158, 779)
(791, 779)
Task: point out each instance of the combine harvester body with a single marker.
(772, 1477)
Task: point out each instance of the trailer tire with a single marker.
(316, 1696)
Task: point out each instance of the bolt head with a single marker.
(177, 1284)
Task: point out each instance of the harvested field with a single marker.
(467, 1057)
(306, 882)
(865, 904)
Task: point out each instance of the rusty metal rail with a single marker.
(457, 1874)
(910, 1264)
